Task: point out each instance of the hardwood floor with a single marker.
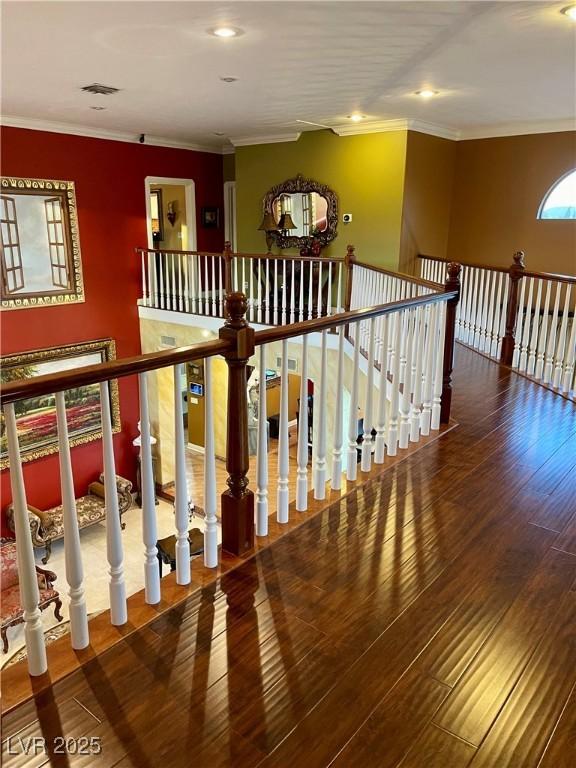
(426, 620)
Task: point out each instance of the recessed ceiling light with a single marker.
(226, 32)
(98, 108)
(426, 93)
(229, 79)
(569, 11)
(356, 117)
(219, 133)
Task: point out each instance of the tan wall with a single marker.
(428, 187)
(499, 185)
(175, 237)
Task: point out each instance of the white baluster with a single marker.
(185, 269)
(339, 290)
(276, 313)
(320, 437)
(519, 326)
(336, 481)
(72, 551)
(568, 373)
(502, 327)
(292, 294)
(173, 294)
(262, 450)
(405, 402)
(259, 280)
(552, 337)
(210, 505)
(180, 485)
(352, 455)
(114, 551)
(329, 300)
(310, 284)
(523, 359)
(284, 315)
(28, 582)
(144, 281)
(383, 382)
(319, 297)
(193, 286)
(533, 343)
(301, 296)
(560, 349)
(426, 415)
(438, 367)
(393, 420)
(222, 287)
(539, 369)
(283, 446)
(268, 320)
(149, 533)
(366, 455)
(420, 330)
(303, 428)
(161, 270)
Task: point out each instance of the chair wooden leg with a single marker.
(4, 639)
(57, 609)
(48, 551)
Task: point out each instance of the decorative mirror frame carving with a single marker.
(300, 184)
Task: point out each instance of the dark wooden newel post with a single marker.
(349, 264)
(515, 273)
(227, 267)
(452, 284)
(238, 500)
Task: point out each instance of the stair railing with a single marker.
(408, 396)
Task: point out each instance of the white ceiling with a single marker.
(499, 66)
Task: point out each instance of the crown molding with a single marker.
(34, 124)
(518, 129)
(279, 138)
(401, 124)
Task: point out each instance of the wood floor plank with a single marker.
(436, 748)
(560, 752)
(526, 722)
(474, 703)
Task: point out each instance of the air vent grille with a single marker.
(99, 89)
(292, 364)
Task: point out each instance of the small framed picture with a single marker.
(211, 217)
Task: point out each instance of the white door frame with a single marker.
(230, 213)
(190, 202)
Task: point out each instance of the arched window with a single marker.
(560, 200)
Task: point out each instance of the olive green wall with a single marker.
(366, 172)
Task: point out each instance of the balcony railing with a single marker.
(409, 343)
(524, 319)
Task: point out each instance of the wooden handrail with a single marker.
(402, 275)
(114, 369)
(269, 335)
(551, 276)
(220, 254)
(542, 275)
(490, 267)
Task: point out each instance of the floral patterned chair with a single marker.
(11, 608)
(47, 526)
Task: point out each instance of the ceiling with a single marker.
(499, 67)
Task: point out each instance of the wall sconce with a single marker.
(269, 226)
(171, 213)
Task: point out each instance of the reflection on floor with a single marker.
(93, 541)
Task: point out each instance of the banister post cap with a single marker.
(236, 308)
(519, 259)
(454, 269)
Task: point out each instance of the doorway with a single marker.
(170, 213)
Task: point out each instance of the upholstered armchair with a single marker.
(11, 609)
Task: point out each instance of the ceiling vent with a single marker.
(100, 90)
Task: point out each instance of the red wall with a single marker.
(109, 178)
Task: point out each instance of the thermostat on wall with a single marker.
(346, 218)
